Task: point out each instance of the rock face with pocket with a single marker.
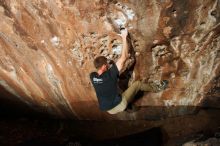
(47, 50)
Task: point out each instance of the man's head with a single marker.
(101, 62)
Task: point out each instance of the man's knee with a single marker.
(137, 83)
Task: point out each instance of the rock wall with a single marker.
(47, 49)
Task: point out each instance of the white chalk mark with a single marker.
(55, 41)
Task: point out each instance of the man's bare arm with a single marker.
(124, 55)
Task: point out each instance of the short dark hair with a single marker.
(100, 61)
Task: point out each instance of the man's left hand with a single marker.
(124, 33)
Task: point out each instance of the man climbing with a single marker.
(105, 82)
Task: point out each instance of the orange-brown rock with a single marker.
(47, 50)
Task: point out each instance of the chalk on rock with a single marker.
(55, 41)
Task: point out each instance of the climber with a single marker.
(105, 82)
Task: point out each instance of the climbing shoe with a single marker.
(164, 84)
(159, 85)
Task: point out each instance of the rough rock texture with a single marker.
(47, 48)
